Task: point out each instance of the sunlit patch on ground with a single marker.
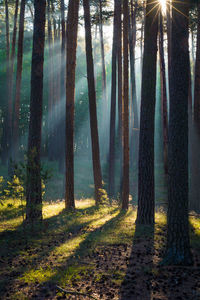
(98, 252)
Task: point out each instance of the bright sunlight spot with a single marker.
(163, 6)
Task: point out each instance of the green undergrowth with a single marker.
(57, 251)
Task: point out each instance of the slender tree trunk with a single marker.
(12, 59)
(72, 30)
(125, 190)
(18, 81)
(169, 26)
(56, 84)
(111, 178)
(33, 189)
(62, 88)
(178, 244)
(7, 125)
(119, 73)
(92, 105)
(104, 85)
(163, 96)
(51, 87)
(134, 122)
(104, 89)
(145, 213)
(195, 167)
(142, 35)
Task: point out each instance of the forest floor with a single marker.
(93, 253)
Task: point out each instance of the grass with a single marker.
(56, 251)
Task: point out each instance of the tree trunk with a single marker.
(125, 189)
(92, 105)
(119, 69)
(7, 125)
(72, 30)
(169, 25)
(18, 81)
(12, 59)
(142, 34)
(111, 178)
(33, 189)
(195, 167)
(62, 109)
(145, 213)
(51, 87)
(178, 244)
(163, 96)
(104, 90)
(134, 122)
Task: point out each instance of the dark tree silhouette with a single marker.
(33, 188)
(18, 81)
(111, 175)
(195, 166)
(92, 105)
(145, 213)
(163, 94)
(125, 188)
(178, 244)
(72, 29)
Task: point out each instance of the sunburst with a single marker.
(163, 6)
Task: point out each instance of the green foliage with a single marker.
(103, 197)
(2, 196)
(15, 189)
(20, 171)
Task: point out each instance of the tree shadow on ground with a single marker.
(137, 282)
(27, 247)
(84, 257)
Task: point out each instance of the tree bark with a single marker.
(18, 81)
(145, 213)
(12, 59)
(195, 166)
(92, 105)
(72, 30)
(125, 190)
(134, 120)
(119, 74)
(7, 125)
(163, 96)
(104, 89)
(111, 175)
(62, 109)
(51, 87)
(178, 244)
(33, 189)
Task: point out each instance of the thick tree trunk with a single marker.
(163, 96)
(145, 213)
(195, 166)
(178, 244)
(125, 189)
(111, 175)
(72, 30)
(18, 81)
(92, 105)
(33, 189)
